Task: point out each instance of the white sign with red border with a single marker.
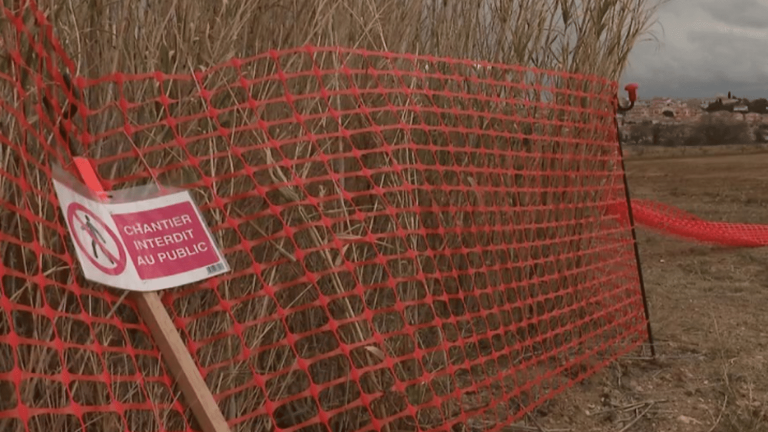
(138, 239)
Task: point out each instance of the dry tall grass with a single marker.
(585, 36)
(183, 36)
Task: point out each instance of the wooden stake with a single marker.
(180, 363)
(176, 356)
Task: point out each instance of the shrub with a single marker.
(717, 131)
(708, 130)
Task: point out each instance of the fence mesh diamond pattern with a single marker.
(416, 243)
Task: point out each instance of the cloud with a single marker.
(741, 13)
(704, 48)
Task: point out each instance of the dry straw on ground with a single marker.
(179, 37)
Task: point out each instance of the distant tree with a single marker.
(758, 105)
(761, 133)
(708, 130)
(716, 106)
(656, 135)
(759, 136)
(714, 131)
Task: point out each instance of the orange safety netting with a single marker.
(416, 243)
(677, 222)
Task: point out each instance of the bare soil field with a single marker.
(645, 152)
(709, 311)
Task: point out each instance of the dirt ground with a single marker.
(709, 312)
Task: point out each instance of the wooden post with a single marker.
(165, 335)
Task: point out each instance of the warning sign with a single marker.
(167, 240)
(138, 240)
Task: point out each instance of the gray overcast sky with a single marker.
(705, 47)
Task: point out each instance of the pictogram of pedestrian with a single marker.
(94, 233)
(100, 246)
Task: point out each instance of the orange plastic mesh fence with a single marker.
(416, 243)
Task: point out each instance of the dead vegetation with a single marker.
(342, 199)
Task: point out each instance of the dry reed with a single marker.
(179, 37)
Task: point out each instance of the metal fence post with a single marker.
(631, 89)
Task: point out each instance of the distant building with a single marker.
(753, 118)
(666, 111)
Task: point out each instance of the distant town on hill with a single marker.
(724, 119)
(681, 110)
